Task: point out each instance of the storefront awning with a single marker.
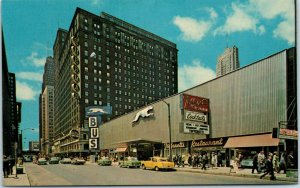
(251, 141)
(118, 150)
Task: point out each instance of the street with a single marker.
(92, 174)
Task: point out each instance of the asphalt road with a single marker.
(92, 174)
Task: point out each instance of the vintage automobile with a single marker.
(130, 162)
(104, 161)
(54, 160)
(65, 161)
(247, 163)
(42, 161)
(158, 163)
(78, 161)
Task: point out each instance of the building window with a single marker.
(86, 101)
(95, 102)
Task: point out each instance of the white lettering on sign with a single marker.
(93, 144)
(195, 128)
(94, 132)
(193, 116)
(92, 121)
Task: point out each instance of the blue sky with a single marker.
(200, 28)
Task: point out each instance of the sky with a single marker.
(201, 29)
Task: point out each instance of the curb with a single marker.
(235, 174)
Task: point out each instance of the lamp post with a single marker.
(169, 124)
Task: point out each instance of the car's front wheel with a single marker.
(156, 168)
(143, 167)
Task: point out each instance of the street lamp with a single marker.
(169, 123)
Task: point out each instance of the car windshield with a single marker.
(106, 158)
(67, 159)
(54, 158)
(42, 159)
(132, 158)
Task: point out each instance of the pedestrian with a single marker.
(290, 160)
(261, 160)
(255, 163)
(219, 157)
(11, 165)
(190, 160)
(275, 161)
(240, 158)
(269, 169)
(213, 160)
(282, 163)
(5, 166)
(204, 161)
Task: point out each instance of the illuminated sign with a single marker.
(94, 133)
(98, 110)
(194, 116)
(194, 103)
(74, 134)
(195, 128)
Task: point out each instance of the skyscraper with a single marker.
(47, 107)
(228, 61)
(105, 61)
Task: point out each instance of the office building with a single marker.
(228, 61)
(104, 61)
(47, 107)
(10, 108)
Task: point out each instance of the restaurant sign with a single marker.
(194, 103)
(209, 142)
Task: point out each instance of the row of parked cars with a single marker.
(155, 163)
(57, 160)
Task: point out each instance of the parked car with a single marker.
(54, 160)
(158, 163)
(27, 158)
(247, 163)
(65, 161)
(78, 161)
(130, 162)
(42, 161)
(104, 161)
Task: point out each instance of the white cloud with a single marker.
(25, 91)
(30, 76)
(278, 8)
(35, 60)
(192, 75)
(96, 2)
(238, 21)
(194, 30)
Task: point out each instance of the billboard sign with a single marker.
(194, 103)
(195, 127)
(288, 134)
(98, 110)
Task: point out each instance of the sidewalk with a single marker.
(12, 181)
(239, 172)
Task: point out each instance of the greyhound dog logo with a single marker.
(143, 113)
(97, 110)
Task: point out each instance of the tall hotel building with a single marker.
(104, 61)
(47, 107)
(228, 61)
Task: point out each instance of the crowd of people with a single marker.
(199, 160)
(8, 164)
(273, 162)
